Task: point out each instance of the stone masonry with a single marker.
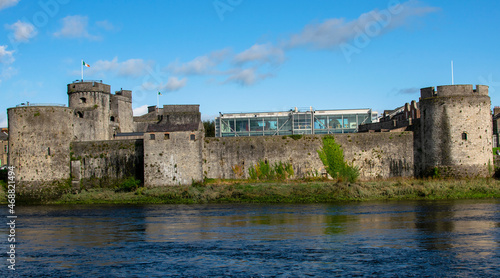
(167, 146)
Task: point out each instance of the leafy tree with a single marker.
(209, 126)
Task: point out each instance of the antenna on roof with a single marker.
(452, 83)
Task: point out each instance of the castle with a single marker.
(96, 141)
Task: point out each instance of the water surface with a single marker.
(442, 238)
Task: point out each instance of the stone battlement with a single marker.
(88, 86)
(181, 109)
(124, 93)
(454, 90)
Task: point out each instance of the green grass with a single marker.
(244, 191)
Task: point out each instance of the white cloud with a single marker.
(133, 67)
(141, 110)
(75, 26)
(246, 77)
(205, 117)
(335, 31)
(7, 3)
(7, 73)
(128, 68)
(260, 61)
(23, 31)
(106, 25)
(200, 65)
(6, 57)
(3, 119)
(172, 84)
(264, 53)
(408, 91)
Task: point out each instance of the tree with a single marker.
(209, 126)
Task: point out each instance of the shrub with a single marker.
(264, 171)
(129, 184)
(332, 156)
(237, 170)
(295, 136)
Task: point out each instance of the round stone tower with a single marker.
(39, 144)
(456, 131)
(91, 101)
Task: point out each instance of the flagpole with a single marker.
(158, 101)
(81, 64)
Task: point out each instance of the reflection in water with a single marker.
(434, 224)
(448, 238)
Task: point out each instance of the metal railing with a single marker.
(40, 104)
(82, 81)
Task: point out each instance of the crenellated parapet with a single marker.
(88, 86)
(454, 91)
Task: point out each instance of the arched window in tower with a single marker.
(83, 100)
(79, 114)
(112, 118)
(464, 136)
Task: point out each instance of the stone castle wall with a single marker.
(39, 144)
(106, 163)
(177, 159)
(172, 158)
(92, 115)
(455, 131)
(378, 155)
(121, 111)
(452, 137)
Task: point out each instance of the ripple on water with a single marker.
(448, 239)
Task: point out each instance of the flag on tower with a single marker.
(159, 93)
(85, 64)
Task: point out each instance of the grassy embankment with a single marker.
(318, 191)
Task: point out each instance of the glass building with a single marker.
(291, 122)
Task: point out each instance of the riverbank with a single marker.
(244, 191)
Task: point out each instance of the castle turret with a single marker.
(121, 115)
(455, 131)
(91, 101)
(39, 145)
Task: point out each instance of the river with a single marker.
(397, 238)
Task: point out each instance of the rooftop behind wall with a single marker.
(167, 109)
(88, 86)
(454, 90)
(177, 117)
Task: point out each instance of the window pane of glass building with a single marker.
(291, 122)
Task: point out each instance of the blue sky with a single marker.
(247, 55)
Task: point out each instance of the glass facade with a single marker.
(291, 122)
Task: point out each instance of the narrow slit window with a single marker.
(48, 151)
(167, 136)
(464, 136)
(112, 118)
(192, 137)
(83, 100)
(79, 114)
